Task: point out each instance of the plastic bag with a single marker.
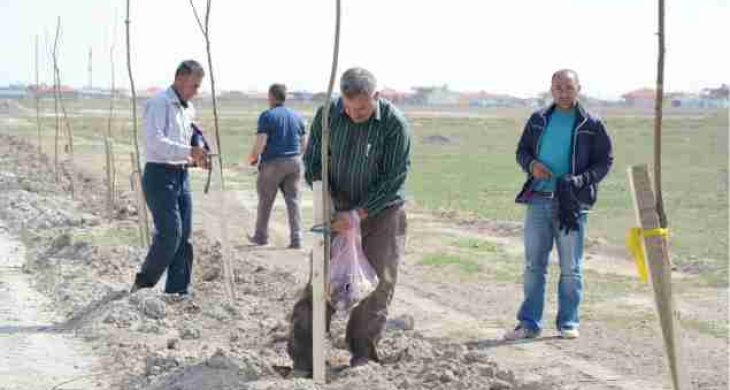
(352, 278)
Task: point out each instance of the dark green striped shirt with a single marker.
(369, 161)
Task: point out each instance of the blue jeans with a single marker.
(167, 191)
(541, 232)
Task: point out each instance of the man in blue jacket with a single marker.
(562, 148)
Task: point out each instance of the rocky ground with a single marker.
(148, 340)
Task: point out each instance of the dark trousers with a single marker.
(383, 240)
(167, 191)
(279, 174)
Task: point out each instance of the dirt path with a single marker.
(478, 313)
(32, 354)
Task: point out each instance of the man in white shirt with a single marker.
(168, 131)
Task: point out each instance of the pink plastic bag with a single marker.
(352, 278)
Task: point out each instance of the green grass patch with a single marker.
(466, 166)
(464, 265)
(719, 329)
(477, 245)
(109, 235)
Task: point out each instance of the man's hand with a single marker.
(253, 160)
(199, 156)
(340, 224)
(540, 171)
(362, 213)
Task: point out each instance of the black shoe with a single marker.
(295, 245)
(358, 361)
(253, 241)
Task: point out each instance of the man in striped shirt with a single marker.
(369, 162)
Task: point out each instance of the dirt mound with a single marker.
(155, 341)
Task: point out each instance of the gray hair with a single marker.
(189, 67)
(357, 81)
(566, 73)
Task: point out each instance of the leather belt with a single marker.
(176, 167)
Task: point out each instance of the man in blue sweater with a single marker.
(562, 147)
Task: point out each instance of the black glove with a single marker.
(576, 181)
(569, 210)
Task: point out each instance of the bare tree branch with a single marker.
(56, 94)
(203, 30)
(37, 101)
(142, 213)
(658, 103)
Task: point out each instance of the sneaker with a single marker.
(520, 333)
(569, 334)
(178, 297)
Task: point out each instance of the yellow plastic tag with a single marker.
(635, 244)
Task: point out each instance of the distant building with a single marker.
(706, 98)
(643, 97)
(394, 96)
(435, 96)
(95, 93)
(14, 92)
(149, 92)
(486, 99)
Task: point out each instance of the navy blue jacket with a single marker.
(591, 152)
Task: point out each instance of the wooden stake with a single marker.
(56, 93)
(59, 101)
(144, 221)
(37, 101)
(225, 253)
(321, 252)
(136, 183)
(108, 143)
(110, 177)
(660, 270)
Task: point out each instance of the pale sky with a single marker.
(498, 46)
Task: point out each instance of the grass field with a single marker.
(463, 163)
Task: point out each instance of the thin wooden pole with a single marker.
(56, 93)
(37, 101)
(69, 132)
(658, 105)
(320, 273)
(70, 140)
(108, 143)
(227, 267)
(660, 270)
(110, 177)
(135, 138)
(205, 30)
(136, 184)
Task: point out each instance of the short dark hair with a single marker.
(566, 72)
(278, 91)
(189, 67)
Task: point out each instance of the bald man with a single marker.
(565, 152)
